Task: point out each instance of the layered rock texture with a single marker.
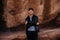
(15, 11)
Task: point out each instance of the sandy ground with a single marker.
(50, 33)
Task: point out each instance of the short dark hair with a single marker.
(30, 9)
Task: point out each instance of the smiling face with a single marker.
(31, 12)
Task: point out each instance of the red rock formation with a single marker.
(42, 8)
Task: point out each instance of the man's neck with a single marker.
(31, 16)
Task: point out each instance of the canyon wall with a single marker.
(15, 11)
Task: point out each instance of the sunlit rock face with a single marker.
(17, 10)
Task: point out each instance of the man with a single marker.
(31, 23)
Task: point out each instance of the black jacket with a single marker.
(32, 23)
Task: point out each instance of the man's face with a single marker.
(30, 12)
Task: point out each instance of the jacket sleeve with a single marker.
(35, 20)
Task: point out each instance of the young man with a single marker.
(31, 23)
